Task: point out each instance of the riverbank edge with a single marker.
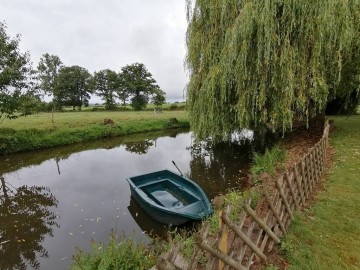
(325, 236)
(15, 141)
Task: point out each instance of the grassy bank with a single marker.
(117, 254)
(326, 236)
(38, 131)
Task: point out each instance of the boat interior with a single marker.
(168, 194)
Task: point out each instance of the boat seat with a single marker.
(166, 199)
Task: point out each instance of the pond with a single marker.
(55, 200)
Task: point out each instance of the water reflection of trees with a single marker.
(25, 219)
(141, 147)
(220, 166)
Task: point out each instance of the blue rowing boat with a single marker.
(170, 198)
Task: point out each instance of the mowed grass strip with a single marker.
(83, 119)
(327, 235)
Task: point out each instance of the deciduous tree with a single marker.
(72, 87)
(269, 62)
(105, 84)
(139, 83)
(17, 84)
(121, 89)
(158, 98)
(48, 69)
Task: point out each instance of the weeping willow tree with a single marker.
(269, 62)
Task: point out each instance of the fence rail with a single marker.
(239, 244)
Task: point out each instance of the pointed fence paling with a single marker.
(238, 244)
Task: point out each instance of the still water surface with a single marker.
(55, 200)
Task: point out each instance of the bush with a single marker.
(45, 106)
(173, 107)
(98, 109)
(103, 109)
(173, 123)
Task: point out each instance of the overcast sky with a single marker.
(105, 34)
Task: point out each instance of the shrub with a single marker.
(173, 107)
(173, 123)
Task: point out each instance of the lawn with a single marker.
(326, 236)
(38, 131)
(86, 118)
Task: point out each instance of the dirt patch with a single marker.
(298, 143)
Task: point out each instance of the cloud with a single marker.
(105, 34)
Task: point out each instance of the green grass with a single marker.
(86, 118)
(268, 161)
(37, 131)
(326, 236)
(124, 254)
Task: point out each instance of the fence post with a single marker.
(275, 213)
(223, 241)
(292, 192)
(204, 244)
(283, 198)
(243, 237)
(308, 173)
(298, 183)
(261, 223)
(203, 234)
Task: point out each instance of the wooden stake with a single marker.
(292, 192)
(204, 244)
(276, 214)
(283, 198)
(243, 237)
(223, 241)
(298, 183)
(261, 223)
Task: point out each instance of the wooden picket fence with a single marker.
(241, 243)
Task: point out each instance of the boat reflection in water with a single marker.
(153, 228)
(146, 223)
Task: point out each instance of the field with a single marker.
(43, 121)
(326, 236)
(38, 131)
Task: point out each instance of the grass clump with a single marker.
(268, 161)
(125, 255)
(187, 240)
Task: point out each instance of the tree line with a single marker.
(22, 87)
(73, 85)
